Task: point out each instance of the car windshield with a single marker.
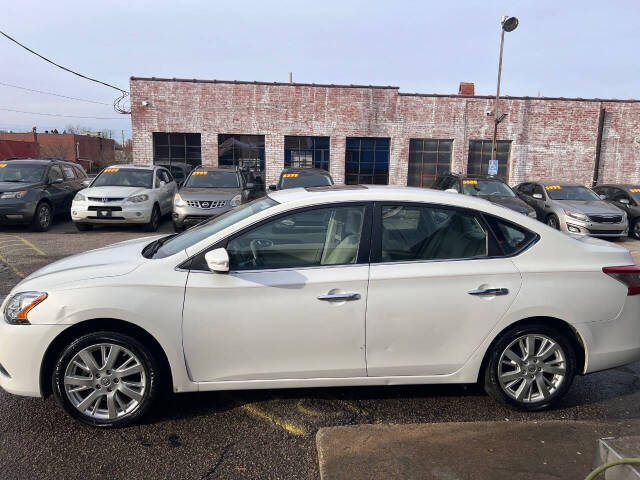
(212, 179)
(635, 193)
(293, 180)
(124, 177)
(21, 172)
(486, 188)
(559, 192)
(201, 231)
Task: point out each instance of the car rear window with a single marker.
(511, 238)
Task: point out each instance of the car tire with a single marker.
(84, 227)
(634, 229)
(42, 218)
(154, 221)
(111, 398)
(177, 228)
(535, 382)
(553, 222)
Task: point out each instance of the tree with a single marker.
(57, 150)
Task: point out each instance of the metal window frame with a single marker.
(483, 159)
(169, 145)
(313, 150)
(422, 151)
(360, 150)
(262, 162)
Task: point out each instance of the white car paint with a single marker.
(416, 323)
(161, 194)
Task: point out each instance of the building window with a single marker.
(306, 152)
(480, 154)
(245, 151)
(367, 161)
(171, 148)
(428, 159)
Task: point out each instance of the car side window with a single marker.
(526, 189)
(617, 195)
(80, 173)
(68, 172)
(411, 232)
(167, 176)
(158, 178)
(510, 237)
(311, 238)
(55, 174)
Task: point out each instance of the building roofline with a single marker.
(508, 97)
(245, 82)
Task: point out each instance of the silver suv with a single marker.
(208, 192)
(574, 209)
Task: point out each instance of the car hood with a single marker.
(16, 187)
(112, 261)
(209, 193)
(514, 203)
(589, 207)
(113, 192)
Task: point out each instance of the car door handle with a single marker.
(486, 292)
(335, 297)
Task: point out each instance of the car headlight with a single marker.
(178, 201)
(532, 214)
(138, 198)
(19, 194)
(17, 308)
(576, 215)
(237, 200)
(79, 197)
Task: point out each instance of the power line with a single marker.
(60, 66)
(59, 115)
(54, 94)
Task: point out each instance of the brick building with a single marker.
(92, 152)
(373, 134)
(18, 149)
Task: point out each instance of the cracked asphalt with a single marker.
(248, 434)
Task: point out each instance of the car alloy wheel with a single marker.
(154, 221)
(43, 218)
(635, 229)
(532, 368)
(105, 381)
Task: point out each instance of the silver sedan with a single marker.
(573, 208)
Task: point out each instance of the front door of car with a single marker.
(165, 190)
(435, 292)
(57, 189)
(622, 200)
(292, 305)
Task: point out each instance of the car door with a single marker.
(56, 189)
(291, 307)
(163, 190)
(71, 184)
(438, 285)
(622, 200)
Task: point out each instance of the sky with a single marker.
(565, 48)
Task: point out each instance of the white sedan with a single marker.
(125, 194)
(324, 287)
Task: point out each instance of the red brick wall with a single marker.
(18, 149)
(550, 137)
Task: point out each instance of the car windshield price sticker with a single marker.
(290, 175)
(632, 190)
(470, 182)
(111, 170)
(2, 165)
(200, 172)
(493, 167)
(553, 187)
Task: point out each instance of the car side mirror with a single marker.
(217, 260)
(273, 188)
(162, 183)
(249, 186)
(56, 180)
(86, 183)
(538, 196)
(624, 201)
(602, 196)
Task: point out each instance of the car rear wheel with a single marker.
(154, 221)
(84, 227)
(530, 367)
(106, 379)
(42, 218)
(553, 222)
(634, 230)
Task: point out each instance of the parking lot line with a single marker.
(29, 244)
(10, 240)
(288, 426)
(15, 270)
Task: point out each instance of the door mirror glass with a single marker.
(602, 196)
(217, 260)
(86, 183)
(625, 201)
(162, 183)
(56, 180)
(538, 196)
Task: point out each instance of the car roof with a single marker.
(39, 161)
(619, 185)
(305, 170)
(545, 183)
(217, 169)
(135, 167)
(478, 177)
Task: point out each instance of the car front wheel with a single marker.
(634, 230)
(106, 379)
(42, 218)
(530, 367)
(553, 221)
(154, 220)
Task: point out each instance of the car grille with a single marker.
(206, 204)
(95, 209)
(105, 199)
(196, 218)
(605, 232)
(605, 218)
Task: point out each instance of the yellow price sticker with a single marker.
(553, 187)
(200, 172)
(470, 182)
(111, 170)
(634, 190)
(2, 165)
(290, 175)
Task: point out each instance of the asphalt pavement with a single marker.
(248, 434)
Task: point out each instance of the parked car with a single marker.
(626, 198)
(123, 194)
(324, 287)
(179, 170)
(574, 208)
(488, 187)
(254, 177)
(302, 177)
(33, 191)
(208, 192)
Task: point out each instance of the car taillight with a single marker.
(629, 275)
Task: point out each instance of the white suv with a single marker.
(125, 194)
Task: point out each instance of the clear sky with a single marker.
(587, 48)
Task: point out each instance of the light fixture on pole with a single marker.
(509, 24)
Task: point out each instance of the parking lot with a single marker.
(246, 434)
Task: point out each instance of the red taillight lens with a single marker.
(629, 275)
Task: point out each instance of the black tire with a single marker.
(154, 221)
(42, 218)
(84, 227)
(634, 229)
(151, 380)
(538, 402)
(553, 222)
(177, 228)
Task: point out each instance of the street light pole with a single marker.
(509, 24)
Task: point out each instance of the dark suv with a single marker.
(303, 177)
(33, 191)
(626, 198)
(487, 187)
